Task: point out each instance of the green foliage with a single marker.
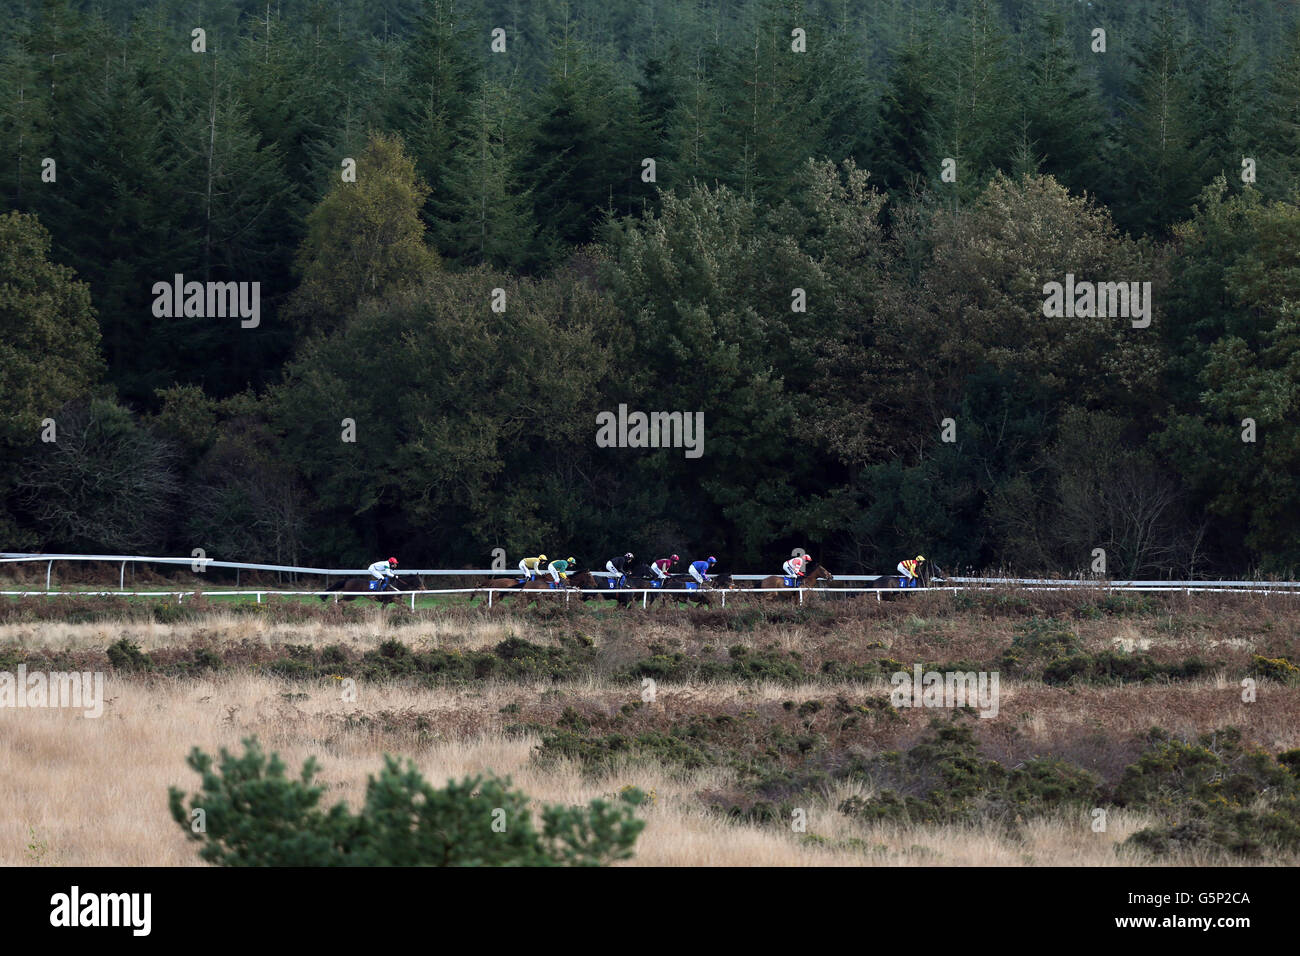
(1158, 133)
(774, 171)
(1053, 651)
(944, 779)
(107, 482)
(1115, 666)
(125, 655)
(1045, 637)
(254, 814)
(438, 419)
(764, 665)
(602, 753)
(1279, 669)
(1065, 126)
(365, 239)
(49, 339)
(511, 659)
(1215, 793)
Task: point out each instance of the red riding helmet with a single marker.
(393, 562)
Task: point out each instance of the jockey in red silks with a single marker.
(797, 567)
(663, 566)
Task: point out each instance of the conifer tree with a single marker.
(1159, 156)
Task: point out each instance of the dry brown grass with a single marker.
(94, 791)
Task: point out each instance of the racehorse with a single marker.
(624, 594)
(387, 596)
(543, 582)
(818, 573)
(928, 573)
(699, 594)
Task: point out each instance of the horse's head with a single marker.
(582, 579)
(819, 573)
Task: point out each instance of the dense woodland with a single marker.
(775, 170)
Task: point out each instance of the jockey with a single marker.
(618, 567)
(700, 569)
(909, 569)
(559, 568)
(383, 571)
(663, 566)
(795, 567)
(530, 566)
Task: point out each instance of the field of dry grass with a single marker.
(93, 792)
(83, 791)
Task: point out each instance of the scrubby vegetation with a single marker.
(251, 813)
(1177, 716)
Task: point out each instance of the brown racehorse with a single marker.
(543, 582)
(721, 582)
(818, 573)
(926, 573)
(386, 596)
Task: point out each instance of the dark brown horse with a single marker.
(721, 582)
(387, 596)
(926, 574)
(543, 582)
(624, 594)
(818, 573)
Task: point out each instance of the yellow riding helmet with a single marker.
(920, 557)
(572, 560)
(541, 557)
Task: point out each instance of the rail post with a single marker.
(801, 595)
(489, 597)
(645, 599)
(259, 597)
(121, 578)
(412, 600)
(49, 569)
(724, 598)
